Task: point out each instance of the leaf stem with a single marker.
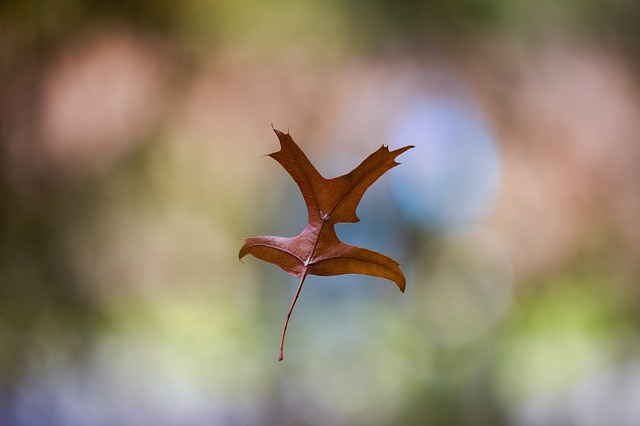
(295, 299)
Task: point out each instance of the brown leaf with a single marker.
(317, 250)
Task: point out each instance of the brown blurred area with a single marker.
(131, 137)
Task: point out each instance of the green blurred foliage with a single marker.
(313, 23)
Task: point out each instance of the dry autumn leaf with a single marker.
(317, 250)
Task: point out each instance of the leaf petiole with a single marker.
(286, 322)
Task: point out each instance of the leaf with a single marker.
(318, 250)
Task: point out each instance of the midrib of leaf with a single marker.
(305, 271)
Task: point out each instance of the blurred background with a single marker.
(131, 144)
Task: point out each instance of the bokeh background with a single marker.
(131, 144)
